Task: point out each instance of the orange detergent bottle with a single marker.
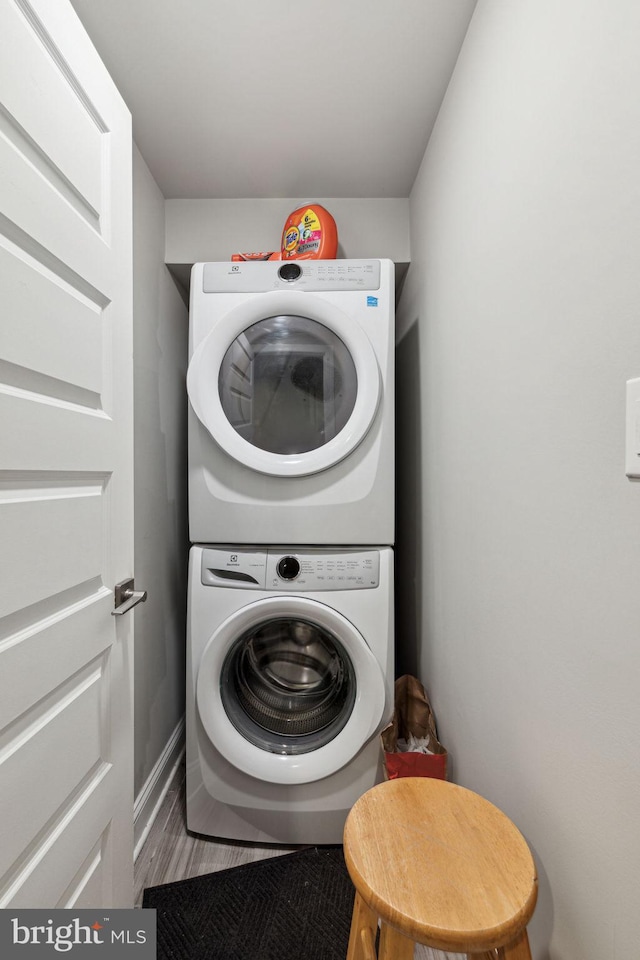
(310, 233)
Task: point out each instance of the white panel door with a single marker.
(66, 525)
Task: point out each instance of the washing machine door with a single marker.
(288, 690)
(286, 384)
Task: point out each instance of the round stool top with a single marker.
(441, 864)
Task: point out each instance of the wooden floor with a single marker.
(170, 853)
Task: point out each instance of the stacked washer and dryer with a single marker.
(291, 516)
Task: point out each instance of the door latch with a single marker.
(126, 597)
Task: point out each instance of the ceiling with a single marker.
(248, 98)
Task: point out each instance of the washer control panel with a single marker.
(290, 570)
(318, 570)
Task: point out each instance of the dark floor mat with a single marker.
(293, 907)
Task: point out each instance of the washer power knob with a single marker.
(288, 568)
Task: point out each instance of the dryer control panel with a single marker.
(291, 570)
(310, 275)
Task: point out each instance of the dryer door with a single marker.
(288, 690)
(286, 384)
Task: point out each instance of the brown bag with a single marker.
(412, 715)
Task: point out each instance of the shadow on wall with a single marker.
(540, 926)
(408, 552)
(160, 517)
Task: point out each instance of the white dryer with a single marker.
(291, 416)
(289, 681)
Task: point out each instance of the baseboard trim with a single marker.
(149, 800)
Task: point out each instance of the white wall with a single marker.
(161, 542)
(214, 229)
(519, 324)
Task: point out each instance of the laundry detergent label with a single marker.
(291, 239)
(310, 233)
(306, 236)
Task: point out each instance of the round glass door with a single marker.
(288, 690)
(288, 385)
(285, 383)
(288, 686)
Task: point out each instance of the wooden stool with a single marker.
(438, 865)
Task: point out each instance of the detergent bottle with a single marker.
(310, 233)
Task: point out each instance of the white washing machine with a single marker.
(289, 681)
(291, 416)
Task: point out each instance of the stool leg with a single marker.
(394, 945)
(364, 926)
(518, 949)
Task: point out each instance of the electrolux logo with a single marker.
(40, 933)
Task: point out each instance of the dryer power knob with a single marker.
(289, 272)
